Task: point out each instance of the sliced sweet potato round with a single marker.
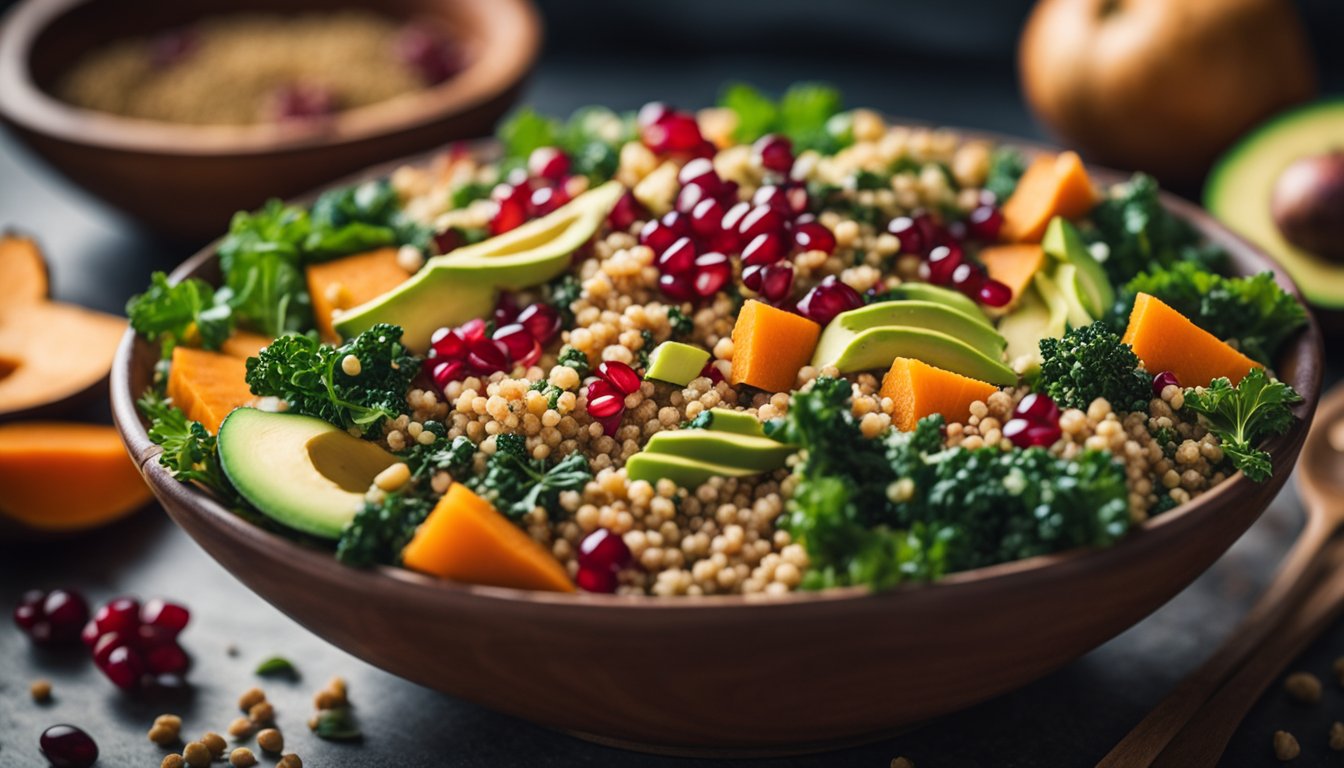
(65, 476)
(23, 270)
(52, 354)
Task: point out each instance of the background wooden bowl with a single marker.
(732, 674)
(186, 180)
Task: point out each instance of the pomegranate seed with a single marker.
(799, 200)
(775, 152)
(968, 278)
(690, 196)
(711, 372)
(445, 342)
(65, 746)
(732, 219)
(66, 612)
(1163, 380)
(723, 241)
(511, 215)
(994, 294)
(985, 197)
(29, 612)
(657, 235)
(302, 101)
(751, 276)
(773, 196)
(447, 372)
(516, 339)
(776, 280)
(707, 217)
(604, 551)
(759, 220)
(953, 233)
(610, 424)
(678, 287)
(604, 399)
(673, 132)
(652, 112)
(107, 642)
(542, 321)
(124, 667)
(167, 659)
(678, 258)
(119, 615)
(727, 193)
(1038, 409)
(90, 634)
(765, 248)
(701, 171)
(447, 241)
(828, 299)
(546, 200)
(472, 330)
(712, 272)
(488, 356)
(506, 309)
(548, 163)
(813, 236)
(619, 375)
(705, 149)
(912, 240)
(595, 580)
(626, 212)
(435, 58)
(943, 261)
(984, 223)
(1025, 434)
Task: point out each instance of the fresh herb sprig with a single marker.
(190, 313)
(803, 113)
(516, 483)
(1242, 416)
(189, 450)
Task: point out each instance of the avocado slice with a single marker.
(939, 295)
(876, 348)
(1066, 282)
(687, 473)
(297, 470)
(912, 313)
(676, 363)
(1041, 312)
(1063, 243)
(737, 422)
(1239, 187)
(759, 454)
(463, 284)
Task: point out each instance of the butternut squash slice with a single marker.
(243, 344)
(918, 389)
(1166, 340)
(52, 354)
(467, 540)
(1015, 265)
(350, 281)
(1054, 185)
(770, 346)
(207, 385)
(60, 476)
(23, 271)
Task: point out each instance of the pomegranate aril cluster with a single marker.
(133, 645)
(51, 618)
(531, 193)
(1035, 422)
(606, 394)
(602, 555)
(518, 340)
(943, 251)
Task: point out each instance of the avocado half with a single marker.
(1239, 188)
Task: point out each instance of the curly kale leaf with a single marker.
(189, 452)
(309, 376)
(516, 483)
(380, 530)
(1006, 166)
(1253, 310)
(359, 218)
(1243, 415)
(1140, 233)
(1091, 362)
(576, 359)
(186, 313)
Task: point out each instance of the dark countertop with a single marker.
(1070, 718)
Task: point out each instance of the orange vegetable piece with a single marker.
(350, 281)
(1166, 340)
(243, 344)
(467, 540)
(770, 346)
(207, 385)
(23, 271)
(1014, 264)
(918, 389)
(1054, 185)
(51, 353)
(61, 476)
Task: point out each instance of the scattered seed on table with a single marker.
(166, 730)
(250, 698)
(215, 743)
(1337, 736)
(1285, 746)
(261, 713)
(242, 757)
(333, 696)
(290, 761)
(1304, 687)
(271, 741)
(173, 760)
(196, 755)
(40, 690)
(241, 728)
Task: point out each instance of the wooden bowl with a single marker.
(187, 181)
(733, 674)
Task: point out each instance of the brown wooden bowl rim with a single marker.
(1306, 351)
(503, 55)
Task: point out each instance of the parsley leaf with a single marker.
(801, 114)
(1243, 415)
(189, 450)
(188, 313)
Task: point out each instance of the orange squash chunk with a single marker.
(207, 385)
(1166, 340)
(918, 389)
(243, 344)
(770, 346)
(1053, 185)
(1014, 265)
(350, 281)
(23, 271)
(61, 476)
(51, 352)
(467, 540)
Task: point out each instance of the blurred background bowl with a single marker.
(186, 181)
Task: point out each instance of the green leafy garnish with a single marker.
(276, 666)
(1243, 415)
(188, 313)
(469, 193)
(591, 138)
(189, 450)
(681, 323)
(800, 114)
(309, 376)
(576, 359)
(359, 218)
(1091, 362)
(516, 483)
(526, 130)
(336, 724)
(263, 269)
(1006, 166)
(1140, 233)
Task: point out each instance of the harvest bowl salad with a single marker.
(767, 346)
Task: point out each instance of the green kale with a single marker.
(454, 458)
(561, 293)
(1253, 310)
(646, 349)
(681, 323)
(359, 218)
(757, 114)
(310, 377)
(189, 450)
(263, 269)
(1139, 233)
(801, 114)
(1092, 362)
(1243, 415)
(548, 390)
(591, 138)
(187, 313)
(516, 483)
(574, 358)
(1006, 166)
(526, 130)
(702, 420)
(380, 530)
(468, 193)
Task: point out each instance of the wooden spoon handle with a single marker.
(1292, 582)
(1204, 739)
